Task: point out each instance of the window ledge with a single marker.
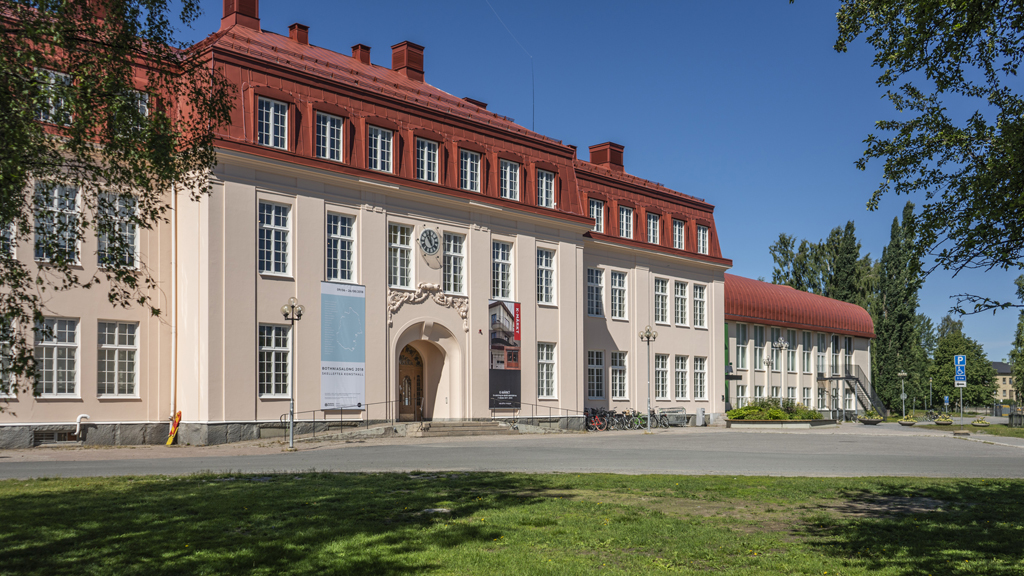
(116, 397)
(547, 305)
(662, 324)
(275, 397)
(549, 398)
(620, 319)
(58, 397)
(276, 276)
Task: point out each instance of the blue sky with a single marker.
(742, 103)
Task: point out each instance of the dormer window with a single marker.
(509, 180)
(625, 222)
(328, 136)
(702, 239)
(272, 124)
(653, 229)
(469, 170)
(379, 153)
(545, 189)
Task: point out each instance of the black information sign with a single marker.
(505, 388)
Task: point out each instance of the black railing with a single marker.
(528, 411)
(365, 419)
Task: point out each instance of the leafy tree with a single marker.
(949, 324)
(1017, 352)
(920, 358)
(103, 109)
(900, 279)
(844, 279)
(930, 53)
(981, 376)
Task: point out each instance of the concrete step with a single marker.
(449, 433)
(467, 428)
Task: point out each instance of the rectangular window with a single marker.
(625, 222)
(56, 222)
(7, 237)
(618, 376)
(821, 398)
(791, 393)
(509, 187)
(682, 386)
(116, 369)
(275, 346)
(699, 306)
(595, 292)
(680, 308)
(469, 171)
(328, 136)
(807, 396)
(741, 395)
(759, 347)
(619, 295)
(806, 353)
(653, 229)
(791, 351)
(595, 374)
(501, 279)
(273, 238)
(847, 399)
(741, 346)
(454, 263)
(545, 276)
(758, 392)
(340, 248)
(848, 356)
(776, 352)
(597, 213)
(272, 124)
(700, 378)
(378, 155)
(56, 352)
(678, 234)
(835, 354)
(545, 370)
(399, 256)
(661, 301)
(775, 392)
(702, 239)
(426, 160)
(661, 376)
(53, 106)
(822, 345)
(7, 382)
(545, 189)
(117, 233)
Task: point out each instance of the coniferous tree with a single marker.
(1017, 352)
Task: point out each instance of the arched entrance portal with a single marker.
(410, 385)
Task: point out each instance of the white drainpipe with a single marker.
(78, 423)
(174, 305)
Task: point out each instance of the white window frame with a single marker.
(682, 388)
(400, 262)
(741, 395)
(55, 104)
(340, 249)
(791, 393)
(776, 333)
(759, 347)
(759, 392)
(379, 149)
(595, 292)
(678, 234)
(275, 258)
(597, 214)
(595, 374)
(625, 222)
(618, 376)
(545, 276)
(426, 160)
(620, 311)
(806, 351)
(501, 270)
(268, 382)
(702, 239)
(330, 136)
(741, 346)
(776, 391)
(848, 354)
(700, 378)
(699, 306)
(805, 397)
(546, 371)
(661, 301)
(125, 352)
(120, 209)
(822, 399)
(52, 345)
(653, 228)
(791, 352)
(822, 351)
(680, 311)
(545, 188)
(661, 377)
(55, 208)
(454, 272)
(835, 355)
(469, 170)
(508, 179)
(272, 123)
(8, 384)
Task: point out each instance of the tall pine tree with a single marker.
(1017, 352)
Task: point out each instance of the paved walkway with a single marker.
(850, 450)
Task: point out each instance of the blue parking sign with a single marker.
(960, 360)
(960, 369)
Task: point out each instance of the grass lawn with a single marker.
(497, 524)
(993, 429)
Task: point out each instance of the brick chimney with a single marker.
(241, 12)
(299, 33)
(361, 52)
(407, 59)
(607, 155)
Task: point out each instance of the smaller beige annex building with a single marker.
(1005, 392)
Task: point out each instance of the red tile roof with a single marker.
(759, 302)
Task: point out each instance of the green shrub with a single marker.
(805, 414)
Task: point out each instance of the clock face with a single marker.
(429, 242)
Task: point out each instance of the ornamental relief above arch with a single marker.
(425, 291)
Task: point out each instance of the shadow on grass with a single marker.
(944, 529)
(292, 523)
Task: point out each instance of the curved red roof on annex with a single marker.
(759, 302)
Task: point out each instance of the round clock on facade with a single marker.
(429, 242)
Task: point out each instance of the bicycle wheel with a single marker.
(654, 421)
(590, 424)
(663, 420)
(602, 423)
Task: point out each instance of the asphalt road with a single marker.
(685, 451)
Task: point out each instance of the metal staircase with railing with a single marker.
(861, 385)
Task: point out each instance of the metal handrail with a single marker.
(357, 406)
(518, 412)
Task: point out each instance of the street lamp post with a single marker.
(782, 346)
(903, 392)
(648, 336)
(292, 311)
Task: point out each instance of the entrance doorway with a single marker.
(410, 385)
